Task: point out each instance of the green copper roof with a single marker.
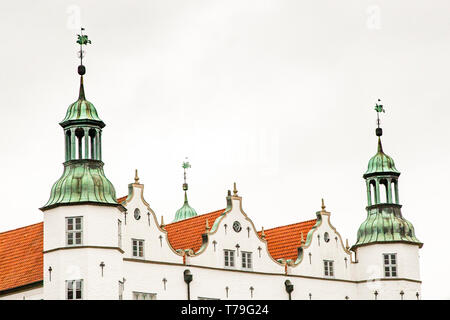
(381, 162)
(81, 110)
(185, 212)
(82, 181)
(386, 224)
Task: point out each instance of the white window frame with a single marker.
(74, 231)
(328, 268)
(229, 258)
(144, 295)
(390, 269)
(139, 241)
(247, 260)
(74, 289)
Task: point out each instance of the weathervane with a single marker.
(185, 166)
(82, 40)
(379, 108)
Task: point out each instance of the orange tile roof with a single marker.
(283, 241)
(187, 234)
(21, 257)
(122, 199)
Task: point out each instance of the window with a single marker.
(390, 264)
(138, 248)
(120, 290)
(119, 233)
(246, 260)
(74, 231)
(144, 296)
(74, 289)
(328, 268)
(229, 258)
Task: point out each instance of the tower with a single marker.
(186, 211)
(82, 254)
(386, 248)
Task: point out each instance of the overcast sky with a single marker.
(275, 95)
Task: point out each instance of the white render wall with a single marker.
(30, 294)
(99, 244)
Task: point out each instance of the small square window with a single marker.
(328, 267)
(229, 258)
(138, 248)
(74, 231)
(74, 289)
(246, 260)
(390, 265)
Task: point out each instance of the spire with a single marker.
(81, 95)
(380, 147)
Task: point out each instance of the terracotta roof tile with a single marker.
(21, 257)
(122, 199)
(283, 241)
(187, 234)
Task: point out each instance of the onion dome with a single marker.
(381, 162)
(185, 212)
(83, 181)
(81, 110)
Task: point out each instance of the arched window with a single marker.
(79, 133)
(373, 194)
(384, 191)
(68, 145)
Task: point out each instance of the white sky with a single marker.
(275, 95)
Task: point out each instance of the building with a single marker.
(93, 245)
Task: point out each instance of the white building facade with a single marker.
(96, 246)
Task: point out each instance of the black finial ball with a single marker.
(81, 70)
(379, 132)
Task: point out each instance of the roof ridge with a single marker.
(197, 216)
(21, 227)
(291, 224)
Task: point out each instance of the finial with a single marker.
(136, 177)
(323, 205)
(185, 166)
(302, 239)
(207, 226)
(379, 108)
(229, 193)
(235, 192)
(162, 222)
(263, 235)
(346, 244)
